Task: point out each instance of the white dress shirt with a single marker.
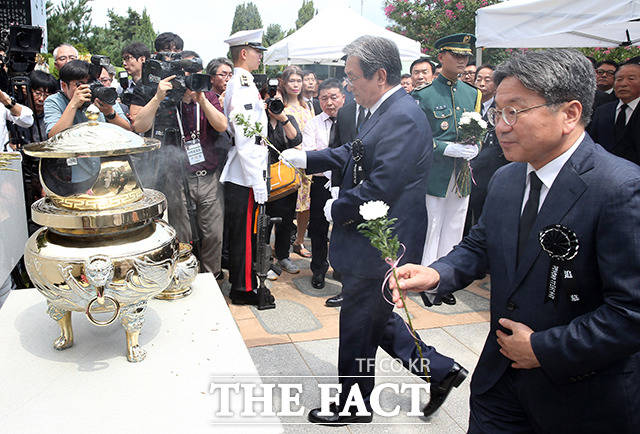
(383, 98)
(316, 136)
(629, 111)
(486, 105)
(548, 173)
(25, 120)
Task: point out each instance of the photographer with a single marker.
(65, 108)
(283, 133)
(133, 56)
(14, 112)
(203, 128)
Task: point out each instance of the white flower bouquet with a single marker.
(471, 131)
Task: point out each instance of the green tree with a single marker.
(305, 13)
(273, 34)
(246, 17)
(68, 22)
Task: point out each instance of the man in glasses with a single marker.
(444, 101)
(221, 71)
(558, 234)
(63, 54)
(605, 73)
(133, 57)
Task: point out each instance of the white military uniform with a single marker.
(246, 161)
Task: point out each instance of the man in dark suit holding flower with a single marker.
(558, 233)
(389, 162)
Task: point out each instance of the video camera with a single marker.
(23, 44)
(107, 95)
(165, 64)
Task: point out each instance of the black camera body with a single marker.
(158, 68)
(275, 106)
(107, 95)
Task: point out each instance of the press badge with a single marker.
(194, 151)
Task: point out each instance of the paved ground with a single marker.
(299, 339)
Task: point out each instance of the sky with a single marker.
(205, 24)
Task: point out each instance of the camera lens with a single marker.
(275, 106)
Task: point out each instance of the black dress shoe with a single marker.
(448, 299)
(244, 297)
(334, 419)
(335, 301)
(439, 392)
(317, 281)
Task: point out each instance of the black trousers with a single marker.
(318, 225)
(367, 322)
(240, 210)
(285, 208)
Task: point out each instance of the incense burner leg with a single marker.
(63, 318)
(132, 318)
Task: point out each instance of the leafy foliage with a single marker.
(381, 236)
(246, 17)
(305, 13)
(273, 34)
(70, 22)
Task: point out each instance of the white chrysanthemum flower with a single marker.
(374, 209)
(482, 123)
(475, 116)
(464, 121)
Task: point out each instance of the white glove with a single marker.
(335, 192)
(295, 157)
(327, 210)
(260, 192)
(458, 150)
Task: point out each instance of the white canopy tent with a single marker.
(321, 40)
(558, 23)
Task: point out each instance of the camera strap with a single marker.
(193, 147)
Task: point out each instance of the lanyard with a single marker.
(197, 133)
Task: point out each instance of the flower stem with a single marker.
(413, 332)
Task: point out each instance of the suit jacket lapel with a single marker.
(513, 204)
(565, 191)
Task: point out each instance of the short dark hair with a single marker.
(309, 72)
(422, 60)
(235, 52)
(374, 53)
(189, 53)
(43, 80)
(485, 66)
(167, 41)
(137, 50)
(608, 62)
(403, 76)
(74, 70)
(330, 83)
(212, 67)
(557, 75)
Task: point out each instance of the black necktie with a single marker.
(361, 117)
(621, 121)
(530, 212)
(332, 132)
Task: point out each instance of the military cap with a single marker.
(247, 38)
(459, 43)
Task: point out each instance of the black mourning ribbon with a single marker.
(562, 245)
(357, 153)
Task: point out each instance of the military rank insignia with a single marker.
(244, 80)
(444, 125)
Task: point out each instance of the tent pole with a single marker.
(478, 56)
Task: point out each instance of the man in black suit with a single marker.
(559, 234)
(393, 159)
(310, 91)
(349, 120)
(616, 125)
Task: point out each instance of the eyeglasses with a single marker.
(63, 58)
(467, 74)
(41, 93)
(106, 80)
(127, 58)
(225, 74)
(605, 72)
(509, 114)
(350, 81)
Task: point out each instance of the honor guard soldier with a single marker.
(244, 172)
(443, 101)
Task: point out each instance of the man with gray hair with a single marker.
(558, 234)
(390, 141)
(63, 54)
(221, 71)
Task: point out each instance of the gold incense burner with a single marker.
(103, 250)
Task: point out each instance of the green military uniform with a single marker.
(444, 101)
